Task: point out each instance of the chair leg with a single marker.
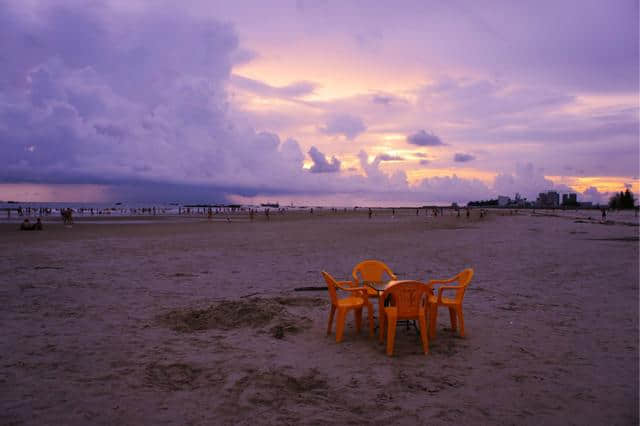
(370, 316)
(382, 320)
(453, 315)
(461, 321)
(331, 314)
(342, 313)
(423, 333)
(391, 333)
(433, 319)
(357, 314)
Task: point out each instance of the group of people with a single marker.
(28, 226)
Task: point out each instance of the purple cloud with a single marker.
(423, 138)
(384, 99)
(389, 157)
(463, 158)
(527, 180)
(320, 163)
(350, 126)
(294, 90)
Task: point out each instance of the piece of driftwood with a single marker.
(310, 288)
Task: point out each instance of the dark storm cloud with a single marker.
(88, 95)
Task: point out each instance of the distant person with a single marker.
(266, 213)
(604, 214)
(468, 212)
(251, 214)
(393, 213)
(38, 225)
(26, 225)
(370, 212)
(67, 216)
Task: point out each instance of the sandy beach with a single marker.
(195, 322)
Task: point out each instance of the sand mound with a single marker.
(231, 314)
(275, 388)
(171, 376)
(306, 302)
(180, 376)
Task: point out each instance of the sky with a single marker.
(324, 102)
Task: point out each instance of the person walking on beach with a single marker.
(370, 212)
(604, 214)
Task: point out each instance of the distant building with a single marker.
(570, 199)
(503, 201)
(548, 200)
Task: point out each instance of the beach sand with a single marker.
(190, 322)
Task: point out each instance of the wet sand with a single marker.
(191, 322)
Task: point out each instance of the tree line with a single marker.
(622, 200)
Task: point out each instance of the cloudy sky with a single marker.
(333, 102)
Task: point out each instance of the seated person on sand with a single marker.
(26, 225)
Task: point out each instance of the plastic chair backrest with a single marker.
(371, 270)
(463, 279)
(407, 297)
(331, 285)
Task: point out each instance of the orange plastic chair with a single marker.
(407, 301)
(356, 301)
(453, 304)
(371, 270)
